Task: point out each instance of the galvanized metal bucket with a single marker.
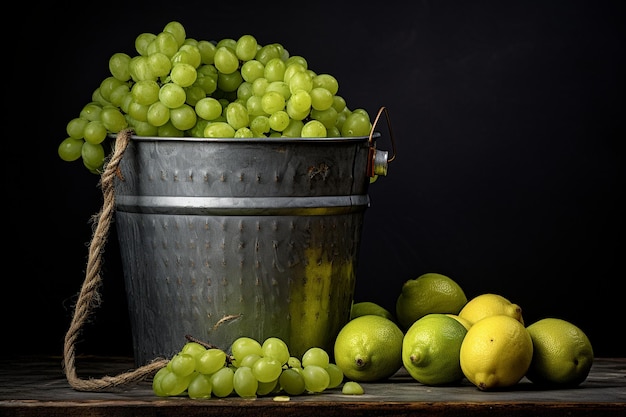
(222, 238)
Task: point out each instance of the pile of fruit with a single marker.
(180, 86)
(447, 338)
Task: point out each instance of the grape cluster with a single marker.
(179, 86)
(251, 370)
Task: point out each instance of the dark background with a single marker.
(508, 118)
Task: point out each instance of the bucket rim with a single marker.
(137, 138)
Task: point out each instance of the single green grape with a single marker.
(352, 388)
(222, 382)
(172, 95)
(246, 47)
(95, 132)
(183, 74)
(200, 387)
(267, 369)
(245, 383)
(183, 364)
(336, 375)
(75, 128)
(276, 348)
(183, 117)
(211, 361)
(118, 66)
(315, 356)
(292, 382)
(226, 60)
(158, 114)
(316, 378)
(313, 129)
(177, 29)
(70, 149)
(142, 41)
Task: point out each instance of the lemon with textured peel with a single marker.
(496, 352)
(489, 304)
(431, 349)
(369, 348)
(364, 308)
(429, 293)
(562, 353)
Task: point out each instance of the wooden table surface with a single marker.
(36, 386)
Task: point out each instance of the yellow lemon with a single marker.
(466, 323)
(428, 293)
(496, 352)
(431, 349)
(562, 354)
(369, 348)
(368, 307)
(489, 304)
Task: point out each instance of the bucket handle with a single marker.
(378, 160)
(89, 297)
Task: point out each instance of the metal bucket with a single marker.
(222, 238)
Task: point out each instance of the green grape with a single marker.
(159, 65)
(326, 81)
(195, 349)
(183, 364)
(225, 60)
(272, 101)
(96, 96)
(259, 126)
(200, 387)
(211, 361)
(245, 383)
(70, 149)
(219, 130)
(275, 70)
(293, 129)
(207, 52)
(237, 115)
(248, 360)
(193, 93)
(315, 356)
(229, 82)
(339, 103)
(292, 382)
(300, 81)
(107, 85)
(244, 132)
(246, 47)
(169, 131)
(208, 108)
(316, 378)
(313, 129)
(333, 132)
(254, 106)
(267, 387)
(222, 382)
(138, 111)
(142, 41)
(279, 121)
(95, 132)
(173, 384)
(139, 68)
(145, 92)
(166, 43)
(356, 124)
(198, 130)
(91, 111)
(267, 369)
(244, 91)
(327, 117)
(75, 128)
(156, 382)
(352, 388)
(280, 87)
(176, 29)
(142, 128)
(189, 54)
(251, 70)
(118, 95)
(259, 86)
(292, 69)
(183, 117)
(172, 95)
(321, 98)
(276, 348)
(118, 66)
(113, 119)
(183, 74)
(266, 53)
(300, 102)
(336, 375)
(297, 59)
(227, 42)
(158, 114)
(294, 362)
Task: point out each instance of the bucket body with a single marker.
(223, 238)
